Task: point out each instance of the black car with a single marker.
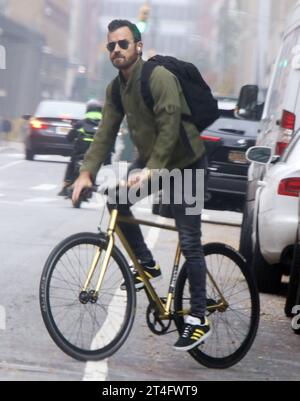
(227, 141)
(48, 128)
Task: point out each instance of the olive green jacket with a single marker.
(158, 136)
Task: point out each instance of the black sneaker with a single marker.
(152, 271)
(194, 334)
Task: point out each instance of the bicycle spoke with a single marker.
(86, 326)
(230, 327)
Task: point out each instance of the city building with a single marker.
(261, 26)
(20, 83)
(35, 34)
(233, 42)
(239, 41)
(84, 49)
(57, 48)
(51, 19)
(52, 49)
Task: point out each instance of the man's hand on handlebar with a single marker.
(83, 181)
(136, 180)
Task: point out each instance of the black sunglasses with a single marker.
(123, 44)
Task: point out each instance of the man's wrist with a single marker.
(86, 174)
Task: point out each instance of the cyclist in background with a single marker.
(82, 135)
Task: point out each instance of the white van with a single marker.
(280, 121)
(281, 116)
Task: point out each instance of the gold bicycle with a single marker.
(89, 316)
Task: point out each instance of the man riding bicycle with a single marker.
(163, 141)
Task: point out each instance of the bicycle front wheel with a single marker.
(86, 330)
(234, 326)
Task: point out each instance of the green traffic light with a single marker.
(142, 26)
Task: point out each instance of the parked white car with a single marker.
(280, 122)
(275, 219)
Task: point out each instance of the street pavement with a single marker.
(33, 220)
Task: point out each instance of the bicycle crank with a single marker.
(158, 326)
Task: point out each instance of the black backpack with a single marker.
(203, 106)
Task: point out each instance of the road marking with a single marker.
(2, 318)
(143, 210)
(212, 217)
(95, 203)
(53, 158)
(11, 164)
(15, 203)
(13, 155)
(4, 148)
(32, 202)
(19, 203)
(40, 200)
(38, 369)
(98, 371)
(219, 217)
(44, 187)
(44, 157)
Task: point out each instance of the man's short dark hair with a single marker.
(121, 23)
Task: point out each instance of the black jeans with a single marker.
(189, 229)
(72, 171)
(77, 156)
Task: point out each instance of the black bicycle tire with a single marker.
(228, 361)
(294, 283)
(60, 341)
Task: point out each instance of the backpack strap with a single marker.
(116, 95)
(147, 70)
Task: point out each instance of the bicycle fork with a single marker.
(93, 295)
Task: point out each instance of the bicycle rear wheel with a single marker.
(86, 331)
(233, 329)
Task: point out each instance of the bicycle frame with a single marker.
(164, 308)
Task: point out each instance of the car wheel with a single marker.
(29, 155)
(268, 277)
(246, 248)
